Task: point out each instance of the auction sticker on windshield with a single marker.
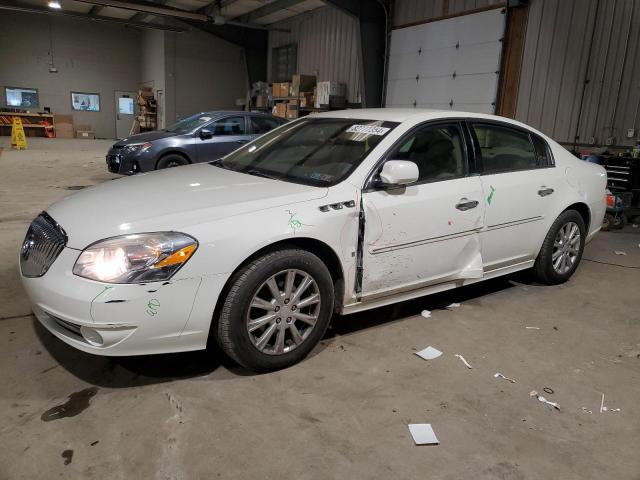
(368, 129)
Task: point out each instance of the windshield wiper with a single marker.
(259, 173)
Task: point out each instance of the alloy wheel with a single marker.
(283, 312)
(566, 248)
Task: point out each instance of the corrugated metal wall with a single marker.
(554, 69)
(409, 11)
(558, 49)
(328, 46)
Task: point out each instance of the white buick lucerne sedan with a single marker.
(336, 212)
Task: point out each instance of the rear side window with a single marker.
(229, 126)
(543, 153)
(260, 125)
(504, 149)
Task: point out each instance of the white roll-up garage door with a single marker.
(447, 64)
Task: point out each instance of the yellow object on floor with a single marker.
(18, 138)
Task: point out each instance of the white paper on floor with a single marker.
(463, 360)
(532, 328)
(499, 375)
(452, 306)
(423, 434)
(426, 313)
(533, 393)
(617, 252)
(429, 353)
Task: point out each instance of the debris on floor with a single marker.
(499, 375)
(586, 410)
(423, 434)
(426, 313)
(463, 360)
(452, 306)
(604, 408)
(618, 252)
(548, 390)
(540, 398)
(429, 353)
(602, 403)
(532, 328)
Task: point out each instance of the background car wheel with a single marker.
(619, 221)
(561, 250)
(277, 309)
(607, 221)
(171, 160)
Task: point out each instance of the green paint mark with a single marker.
(294, 223)
(490, 197)
(152, 307)
(104, 290)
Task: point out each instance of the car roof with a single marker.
(416, 115)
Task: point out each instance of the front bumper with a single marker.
(113, 319)
(118, 162)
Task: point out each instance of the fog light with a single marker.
(92, 336)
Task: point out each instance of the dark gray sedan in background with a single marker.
(201, 137)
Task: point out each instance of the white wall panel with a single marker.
(451, 63)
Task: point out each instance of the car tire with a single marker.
(607, 221)
(171, 160)
(561, 252)
(286, 335)
(619, 221)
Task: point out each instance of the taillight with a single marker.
(611, 200)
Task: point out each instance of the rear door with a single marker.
(427, 232)
(519, 181)
(229, 133)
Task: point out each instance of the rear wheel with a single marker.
(561, 250)
(171, 160)
(277, 309)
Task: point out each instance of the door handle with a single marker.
(544, 191)
(465, 204)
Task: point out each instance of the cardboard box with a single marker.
(63, 126)
(302, 83)
(329, 89)
(280, 110)
(306, 100)
(281, 89)
(262, 101)
(292, 113)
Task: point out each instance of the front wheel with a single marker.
(171, 160)
(276, 310)
(561, 250)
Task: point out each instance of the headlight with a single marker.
(137, 147)
(146, 257)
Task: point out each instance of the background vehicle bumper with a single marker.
(106, 319)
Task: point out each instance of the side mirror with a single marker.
(205, 134)
(399, 172)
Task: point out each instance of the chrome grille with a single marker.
(44, 241)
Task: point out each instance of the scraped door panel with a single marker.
(417, 236)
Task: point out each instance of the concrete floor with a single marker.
(344, 411)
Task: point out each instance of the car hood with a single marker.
(144, 137)
(172, 199)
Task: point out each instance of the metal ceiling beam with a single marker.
(268, 9)
(93, 18)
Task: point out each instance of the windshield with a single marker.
(189, 124)
(314, 151)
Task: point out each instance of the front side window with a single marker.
(437, 150)
(504, 149)
(229, 126)
(315, 151)
(189, 124)
(260, 125)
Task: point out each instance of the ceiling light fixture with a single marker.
(54, 4)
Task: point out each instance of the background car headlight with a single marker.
(137, 147)
(145, 257)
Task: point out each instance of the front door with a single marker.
(125, 112)
(428, 232)
(229, 133)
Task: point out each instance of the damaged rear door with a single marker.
(427, 232)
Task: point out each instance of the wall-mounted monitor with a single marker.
(87, 102)
(21, 97)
